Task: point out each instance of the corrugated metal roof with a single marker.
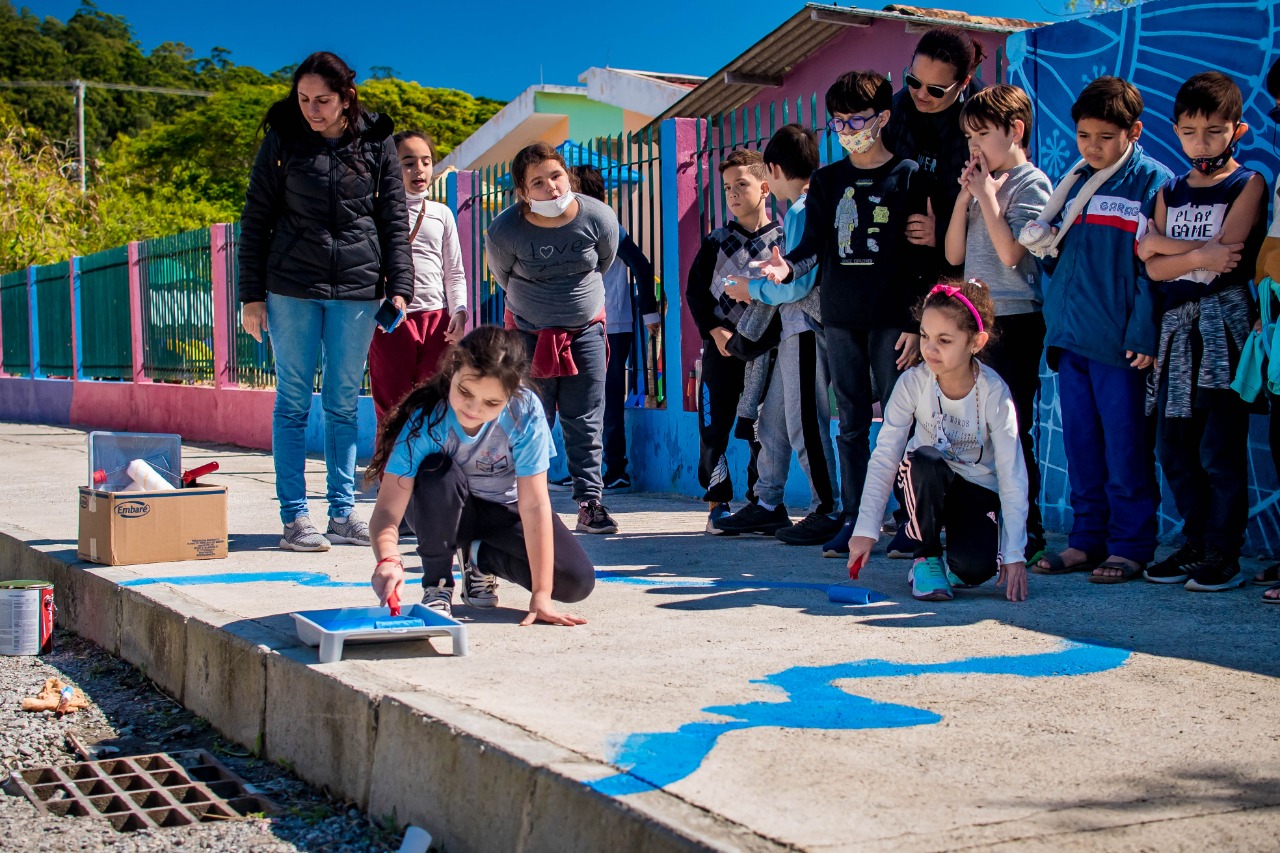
(798, 38)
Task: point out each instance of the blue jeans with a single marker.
(1111, 463)
(301, 331)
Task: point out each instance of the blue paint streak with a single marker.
(320, 579)
(653, 760)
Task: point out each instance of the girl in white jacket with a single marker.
(962, 469)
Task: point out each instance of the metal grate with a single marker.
(143, 791)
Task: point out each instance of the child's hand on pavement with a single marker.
(737, 288)
(775, 269)
(1014, 577)
(542, 610)
(859, 548)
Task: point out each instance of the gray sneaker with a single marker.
(478, 589)
(439, 599)
(301, 535)
(349, 531)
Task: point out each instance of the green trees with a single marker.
(158, 163)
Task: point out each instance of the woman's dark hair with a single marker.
(416, 134)
(337, 75)
(978, 294)
(489, 351)
(953, 46)
(533, 155)
(590, 181)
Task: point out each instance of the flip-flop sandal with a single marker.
(1058, 566)
(1128, 572)
(1270, 575)
(1275, 600)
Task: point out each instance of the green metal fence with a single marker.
(252, 364)
(177, 307)
(105, 337)
(15, 320)
(53, 298)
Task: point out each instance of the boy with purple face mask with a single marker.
(868, 274)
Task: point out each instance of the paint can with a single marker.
(26, 617)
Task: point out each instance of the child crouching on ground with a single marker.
(962, 469)
(472, 448)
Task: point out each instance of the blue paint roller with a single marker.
(845, 594)
(396, 620)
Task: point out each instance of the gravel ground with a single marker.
(130, 714)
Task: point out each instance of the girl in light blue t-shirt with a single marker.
(465, 458)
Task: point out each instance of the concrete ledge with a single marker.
(153, 637)
(225, 681)
(479, 783)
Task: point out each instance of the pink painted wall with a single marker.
(227, 415)
(885, 46)
(684, 209)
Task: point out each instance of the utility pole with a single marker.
(78, 91)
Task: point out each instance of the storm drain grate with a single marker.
(143, 791)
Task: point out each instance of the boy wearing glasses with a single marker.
(728, 251)
(1000, 192)
(869, 276)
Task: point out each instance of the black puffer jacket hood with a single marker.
(325, 220)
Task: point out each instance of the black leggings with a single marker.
(445, 515)
(935, 496)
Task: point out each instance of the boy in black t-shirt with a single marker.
(869, 275)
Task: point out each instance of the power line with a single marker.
(78, 87)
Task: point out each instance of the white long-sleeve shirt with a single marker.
(439, 280)
(982, 430)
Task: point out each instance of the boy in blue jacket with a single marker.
(1101, 334)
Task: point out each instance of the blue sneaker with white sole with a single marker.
(928, 579)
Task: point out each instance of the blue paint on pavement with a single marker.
(652, 760)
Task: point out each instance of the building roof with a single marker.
(802, 35)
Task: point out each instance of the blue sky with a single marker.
(485, 47)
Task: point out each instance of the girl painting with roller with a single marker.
(472, 447)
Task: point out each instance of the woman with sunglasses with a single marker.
(924, 125)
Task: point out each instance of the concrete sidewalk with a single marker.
(716, 699)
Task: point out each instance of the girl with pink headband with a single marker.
(962, 468)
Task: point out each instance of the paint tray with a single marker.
(331, 629)
(111, 453)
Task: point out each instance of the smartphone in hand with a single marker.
(388, 316)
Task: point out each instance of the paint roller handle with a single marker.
(393, 602)
(856, 565)
(194, 474)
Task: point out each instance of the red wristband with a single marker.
(395, 559)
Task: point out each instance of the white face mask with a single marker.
(551, 207)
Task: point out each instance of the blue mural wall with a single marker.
(1157, 46)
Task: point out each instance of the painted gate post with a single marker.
(460, 195)
(681, 236)
(33, 314)
(136, 325)
(218, 245)
(77, 325)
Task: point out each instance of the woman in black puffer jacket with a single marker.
(324, 237)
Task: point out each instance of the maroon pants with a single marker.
(400, 361)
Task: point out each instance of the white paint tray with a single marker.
(331, 629)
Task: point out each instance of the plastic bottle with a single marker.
(146, 478)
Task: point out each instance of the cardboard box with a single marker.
(123, 528)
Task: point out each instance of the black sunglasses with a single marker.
(934, 91)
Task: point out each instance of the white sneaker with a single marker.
(349, 530)
(301, 535)
(478, 589)
(439, 599)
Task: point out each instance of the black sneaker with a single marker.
(564, 484)
(617, 485)
(754, 518)
(814, 529)
(593, 517)
(1173, 568)
(1215, 573)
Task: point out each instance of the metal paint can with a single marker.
(26, 617)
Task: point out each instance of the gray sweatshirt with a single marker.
(1015, 290)
(553, 277)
